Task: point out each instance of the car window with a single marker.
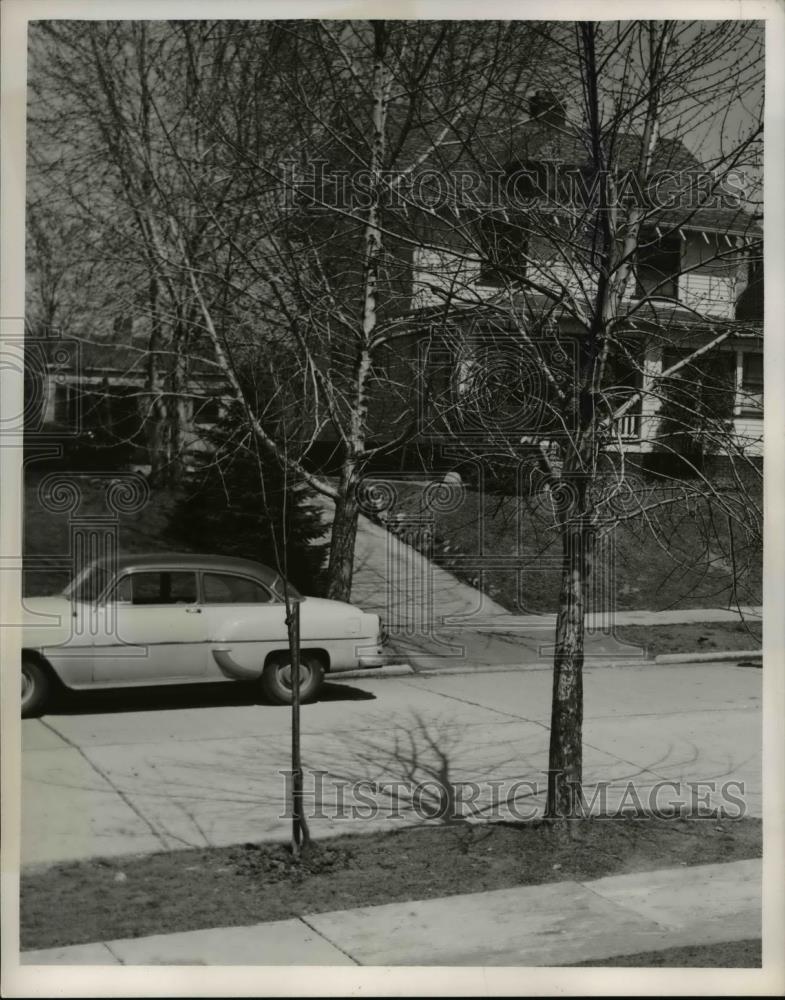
(163, 588)
(279, 588)
(122, 592)
(89, 584)
(224, 588)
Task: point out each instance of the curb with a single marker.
(664, 659)
(391, 670)
(742, 654)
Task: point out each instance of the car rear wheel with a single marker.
(36, 688)
(277, 679)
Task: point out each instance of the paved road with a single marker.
(146, 771)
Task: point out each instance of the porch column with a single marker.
(737, 395)
(650, 404)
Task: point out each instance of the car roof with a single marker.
(192, 560)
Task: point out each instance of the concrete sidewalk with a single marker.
(556, 924)
(679, 616)
(506, 640)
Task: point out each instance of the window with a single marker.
(123, 325)
(703, 388)
(223, 588)
(622, 377)
(503, 245)
(163, 588)
(66, 409)
(207, 411)
(696, 401)
(658, 267)
(752, 382)
(96, 414)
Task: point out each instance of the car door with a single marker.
(244, 618)
(158, 630)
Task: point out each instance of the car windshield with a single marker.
(88, 585)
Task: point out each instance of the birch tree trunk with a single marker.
(158, 436)
(344, 531)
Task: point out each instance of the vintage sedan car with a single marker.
(180, 619)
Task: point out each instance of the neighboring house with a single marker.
(697, 274)
(95, 397)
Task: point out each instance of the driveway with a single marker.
(156, 770)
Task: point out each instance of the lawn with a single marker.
(640, 572)
(174, 891)
(679, 557)
(47, 542)
(689, 638)
(728, 955)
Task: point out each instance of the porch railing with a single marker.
(629, 426)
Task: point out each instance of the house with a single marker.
(488, 282)
(520, 269)
(94, 401)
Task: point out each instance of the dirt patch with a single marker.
(702, 638)
(728, 955)
(104, 899)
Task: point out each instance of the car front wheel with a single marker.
(277, 679)
(35, 688)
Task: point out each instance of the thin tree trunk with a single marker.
(565, 756)
(344, 534)
(301, 836)
(158, 437)
(179, 413)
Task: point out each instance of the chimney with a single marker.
(546, 108)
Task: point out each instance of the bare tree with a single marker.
(104, 98)
(257, 181)
(196, 126)
(603, 283)
(368, 103)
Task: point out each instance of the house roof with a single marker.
(654, 312)
(537, 142)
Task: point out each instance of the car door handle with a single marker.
(193, 611)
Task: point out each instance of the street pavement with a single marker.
(557, 924)
(143, 771)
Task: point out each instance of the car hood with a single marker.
(36, 608)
